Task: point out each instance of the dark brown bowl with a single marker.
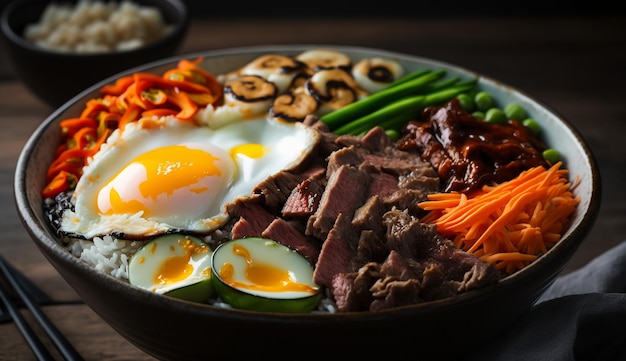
(55, 77)
(173, 329)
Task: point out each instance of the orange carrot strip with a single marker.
(524, 216)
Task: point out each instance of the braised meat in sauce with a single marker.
(468, 152)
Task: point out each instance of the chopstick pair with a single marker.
(60, 342)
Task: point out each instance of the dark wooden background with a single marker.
(572, 58)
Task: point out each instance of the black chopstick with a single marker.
(61, 343)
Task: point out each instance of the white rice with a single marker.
(106, 254)
(96, 26)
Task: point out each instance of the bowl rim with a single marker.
(39, 231)
(179, 27)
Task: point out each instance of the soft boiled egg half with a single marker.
(162, 175)
(263, 275)
(174, 264)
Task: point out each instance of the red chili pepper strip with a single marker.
(119, 87)
(211, 82)
(187, 107)
(154, 96)
(179, 92)
(72, 125)
(159, 112)
(85, 137)
(71, 160)
(93, 108)
(202, 99)
(132, 113)
(60, 183)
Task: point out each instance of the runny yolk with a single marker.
(177, 268)
(167, 169)
(263, 277)
(250, 150)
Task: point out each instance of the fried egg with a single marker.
(165, 175)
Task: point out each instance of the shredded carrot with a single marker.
(509, 224)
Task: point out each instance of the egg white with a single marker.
(268, 146)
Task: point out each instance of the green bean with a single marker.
(401, 110)
(379, 99)
(407, 77)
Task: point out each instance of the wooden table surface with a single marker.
(576, 65)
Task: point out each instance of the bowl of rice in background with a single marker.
(59, 48)
(433, 328)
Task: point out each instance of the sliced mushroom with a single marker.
(333, 89)
(252, 94)
(277, 68)
(374, 74)
(293, 106)
(319, 59)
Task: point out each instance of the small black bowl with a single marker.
(55, 77)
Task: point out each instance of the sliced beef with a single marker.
(253, 218)
(305, 197)
(276, 188)
(352, 156)
(352, 291)
(337, 253)
(372, 247)
(345, 192)
(382, 185)
(284, 233)
(369, 215)
(376, 140)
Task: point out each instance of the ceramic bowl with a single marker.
(173, 329)
(55, 76)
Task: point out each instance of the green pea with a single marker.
(551, 155)
(392, 134)
(467, 102)
(515, 111)
(483, 101)
(532, 124)
(495, 116)
(478, 115)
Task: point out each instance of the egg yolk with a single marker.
(177, 268)
(263, 277)
(250, 150)
(160, 173)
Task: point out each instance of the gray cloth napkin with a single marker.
(581, 316)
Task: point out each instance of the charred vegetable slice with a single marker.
(293, 106)
(376, 73)
(251, 92)
(263, 275)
